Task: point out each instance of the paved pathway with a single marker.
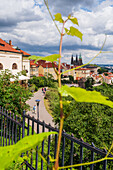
(43, 114)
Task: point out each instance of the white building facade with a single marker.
(12, 59)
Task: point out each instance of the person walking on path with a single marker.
(43, 114)
(42, 90)
(34, 109)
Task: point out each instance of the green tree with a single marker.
(71, 78)
(106, 74)
(89, 82)
(47, 80)
(38, 81)
(13, 96)
(102, 70)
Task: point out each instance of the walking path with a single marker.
(43, 114)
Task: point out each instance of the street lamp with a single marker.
(37, 102)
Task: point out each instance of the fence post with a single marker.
(81, 155)
(37, 102)
(92, 158)
(23, 125)
(105, 162)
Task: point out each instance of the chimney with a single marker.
(10, 42)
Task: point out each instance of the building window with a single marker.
(2, 44)
(1, 66)
(14, 66)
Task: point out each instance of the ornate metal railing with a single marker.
(73, 150)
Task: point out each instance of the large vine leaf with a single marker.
(82, 95)
(50, 58)
(74, 32)
(10, 153)
(73, 20)
(58, 17)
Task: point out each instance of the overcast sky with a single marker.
(28, 24)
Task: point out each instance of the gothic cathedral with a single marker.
(77, 61)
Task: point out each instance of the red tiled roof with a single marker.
(33, 64)
(108, 77)
(43, 63)
(78, 78)
(41, 75)
(24, 53)
(83, 69)
(6, 47)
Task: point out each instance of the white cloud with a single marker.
(23, 22)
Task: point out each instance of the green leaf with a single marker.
(58, 17)
(50, 58)
(73, 20)
(82, 95)
(67, 31)
(74, 32)
(10, 153)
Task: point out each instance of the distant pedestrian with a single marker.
(34, 109)
(32, 91)
(45, 89)
(42, 89)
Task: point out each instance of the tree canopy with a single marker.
(13, 96)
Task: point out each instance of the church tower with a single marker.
(72, 59)
(80, 60)
(76, 61)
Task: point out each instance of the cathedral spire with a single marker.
(80, 59)
(76, 59)
(72, 59)
(80, 56)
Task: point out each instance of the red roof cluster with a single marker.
(41, 75)
(83, 69)
(109, 76)
(43, 63)
(78, 78)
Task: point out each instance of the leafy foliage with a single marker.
(74, 32)
(58, 17)
(53, 97)
(71, 78)
(89, 82)
(73, 19)
(102, 70)
(13, 96)
(81, 95)
(12, 152)
(50, 58)
(106, 90)
(47, 80)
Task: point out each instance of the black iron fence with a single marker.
(73, 150)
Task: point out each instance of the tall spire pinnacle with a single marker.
(80, 59)
(80, 56)
(76, 58)
(72, 59)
